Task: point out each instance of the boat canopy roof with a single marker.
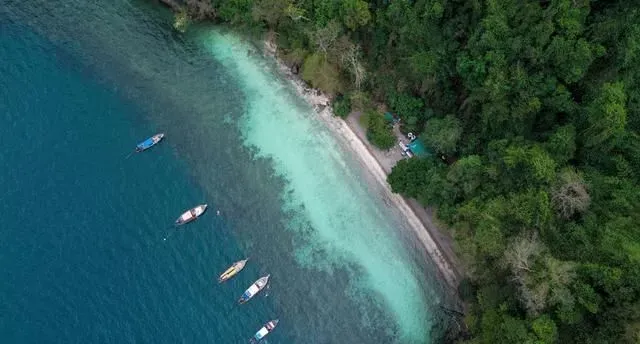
(418, 148)
(146, 143)
(253, 289)
(263, 332)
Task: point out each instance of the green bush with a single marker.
(342, 106)
(378, 133)
(443, 134)
(406, 106)
(410, 110)
(321, 74)
(236, 11)
(360, 101)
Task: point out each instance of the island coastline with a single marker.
(435, 243)
(420, 222)
(521, 172)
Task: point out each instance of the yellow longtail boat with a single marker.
(232, 270)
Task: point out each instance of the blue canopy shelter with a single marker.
(418, 148)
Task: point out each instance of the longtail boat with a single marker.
(254, 289)
(232, 270)
(150, 142)
(191, 214)
(264, 331)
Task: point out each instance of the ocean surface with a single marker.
(82, 255)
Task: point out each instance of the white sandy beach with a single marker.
(346, 134)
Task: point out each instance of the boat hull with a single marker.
(254, 289)
(150, 142)
(191, 214)
(264, 331)
(232, 270)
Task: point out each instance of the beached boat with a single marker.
(264, 331)
(254, 289)
(150, 142)
(232, 270)
(191, 214)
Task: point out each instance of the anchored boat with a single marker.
(232, 270)
(254, 289)
(191, 214)
(150, 142)
(264, 331)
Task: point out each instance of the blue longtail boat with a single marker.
(150, 142)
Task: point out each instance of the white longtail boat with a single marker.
(254, 289)
(191, 214)
(264, 331)
(232, 270)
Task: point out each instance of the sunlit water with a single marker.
(81, 245)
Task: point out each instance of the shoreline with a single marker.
(419, 221)
(435, 242)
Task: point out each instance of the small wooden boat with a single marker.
(232, 270)
(191, 214)
(150, 142)
(254, 289)
(264, 331)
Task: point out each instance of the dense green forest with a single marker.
(536, 107)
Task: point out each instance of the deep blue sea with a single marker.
(82, 258)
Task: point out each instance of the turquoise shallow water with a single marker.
(81, 244)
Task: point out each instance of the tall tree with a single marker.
(606, 117)
(443, 134)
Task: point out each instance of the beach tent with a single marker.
(418, 148)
